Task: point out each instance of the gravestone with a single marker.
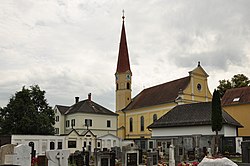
(130, 155)
(171, 155)
(19, 156)
(117, 151)
(104, 158)
(245, 145)
(22, 153)
(82, 158)
(42, 161)
(57, 157)
(209, 152)
(7, 149)
(152, 158)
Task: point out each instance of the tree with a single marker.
(239, 80)
(216, 117)
(27, 113)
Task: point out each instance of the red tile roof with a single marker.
(123, 57)
(159, 94)
(236, 96)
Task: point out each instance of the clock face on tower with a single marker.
(128, 77)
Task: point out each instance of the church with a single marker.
(136, 114)
(158, 115)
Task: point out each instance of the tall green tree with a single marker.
(237, 81)
(27, 112)
(216, 117)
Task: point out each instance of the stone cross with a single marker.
(60, 156)
(57, 157)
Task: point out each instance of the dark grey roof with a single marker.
(62, 108)
(191, 115)
(88, 106)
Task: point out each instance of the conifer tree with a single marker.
(216, 118)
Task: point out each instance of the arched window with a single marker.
(128, 85)
(154, 117)
(142, 123)
(131, 124)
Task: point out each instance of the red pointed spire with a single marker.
(123, 57)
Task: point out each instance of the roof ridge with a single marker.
(167, 82)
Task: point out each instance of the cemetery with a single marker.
(128, 155)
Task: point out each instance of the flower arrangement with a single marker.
(195, 163)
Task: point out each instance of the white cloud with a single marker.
(70, 48)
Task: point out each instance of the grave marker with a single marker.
(57, 157)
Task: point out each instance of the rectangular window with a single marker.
(98, 144)
(108, 123)
(56, 130)
(59, 145)
(73, 122)
(88, 122)
(84, 143)
(151, 144)
(71, 144)
(67, 123)
(57, 119)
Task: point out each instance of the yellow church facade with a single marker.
(135, 114)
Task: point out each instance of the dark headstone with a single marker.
(245, 145)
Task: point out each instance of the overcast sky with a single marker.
(70, 47)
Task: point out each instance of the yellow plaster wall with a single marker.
(147, 113)
(190, 94)
(241, 113)
(123, 95)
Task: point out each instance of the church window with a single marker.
(154, 117)
(142, 123)
(199, 87)
(131, 124)
(128, 85)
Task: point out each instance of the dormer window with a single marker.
(236, 99)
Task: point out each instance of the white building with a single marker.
(85, 115)
(188, 126)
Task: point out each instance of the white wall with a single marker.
(41, 142)
(192, 130)
(99, 122)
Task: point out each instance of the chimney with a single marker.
(89, 96)
(77, 99)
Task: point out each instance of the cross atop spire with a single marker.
(123, 17)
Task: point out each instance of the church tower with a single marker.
(123, 73)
